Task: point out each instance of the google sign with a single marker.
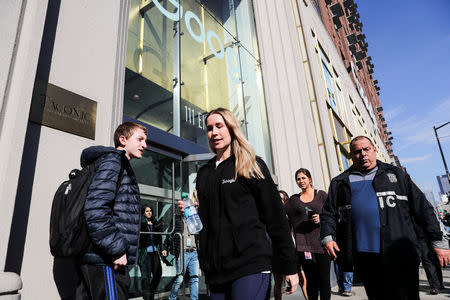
(210, 36)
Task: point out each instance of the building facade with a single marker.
(444, 184)
(71, 71)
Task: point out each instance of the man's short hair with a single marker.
(127, 129)
(359, 137)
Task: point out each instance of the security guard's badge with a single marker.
(392, 177)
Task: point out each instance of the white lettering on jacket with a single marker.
(228, 181)
(390, 198)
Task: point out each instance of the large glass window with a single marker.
(148, 94)
(187, 57)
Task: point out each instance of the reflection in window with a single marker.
(331, 94)
(149, 67)
(218, 61)
(155, 170)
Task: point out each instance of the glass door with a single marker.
(162, 177)
(158, 176)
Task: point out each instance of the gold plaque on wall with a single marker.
(64, 110)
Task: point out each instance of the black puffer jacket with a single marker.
(113, 221)
(237, 214)
(400, 202)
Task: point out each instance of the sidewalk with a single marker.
(360, 294)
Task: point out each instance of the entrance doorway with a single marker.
(162, 177)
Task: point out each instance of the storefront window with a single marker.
(149, 67)
(187, 57)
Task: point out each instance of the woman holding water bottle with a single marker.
(239, 205)
(303, 211)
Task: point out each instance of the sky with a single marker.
(409, 42)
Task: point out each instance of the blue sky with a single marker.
(409, 42)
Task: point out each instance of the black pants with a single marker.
(387, 280)
(151, 280)
(101, 282)
(317, 272)
(430, 263)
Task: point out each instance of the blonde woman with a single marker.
(239, 205)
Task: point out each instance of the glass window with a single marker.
(209, 67)
(148, 94)
(214, 58)
(331, 94)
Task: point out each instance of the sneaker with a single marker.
(434, 291)
(346, 294)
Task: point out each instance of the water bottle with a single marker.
(193, 222)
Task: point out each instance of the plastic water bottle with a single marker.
(193, 222)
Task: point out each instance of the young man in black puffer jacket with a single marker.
(112, 212)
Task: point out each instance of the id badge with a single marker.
(188, 243)
(308, 255)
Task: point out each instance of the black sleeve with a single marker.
(423, 211)
(274, 217)
(329, 216)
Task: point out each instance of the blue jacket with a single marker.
(113, 221)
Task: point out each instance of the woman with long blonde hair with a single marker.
(239, 205)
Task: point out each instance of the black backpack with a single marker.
(68, 229)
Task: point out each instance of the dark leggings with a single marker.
(250, 287)
(317, 272)
(153, 266)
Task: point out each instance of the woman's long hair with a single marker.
(246, 165)
(143, 208)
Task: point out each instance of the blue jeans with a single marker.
(193, 267)
(344, 279)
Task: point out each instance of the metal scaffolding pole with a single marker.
(440, 149)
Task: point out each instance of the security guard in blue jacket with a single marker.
(367, 221)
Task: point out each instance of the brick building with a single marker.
(342, 21)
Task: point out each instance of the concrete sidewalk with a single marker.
(360, 294)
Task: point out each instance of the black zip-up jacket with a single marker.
(237, 214)
(400, 203)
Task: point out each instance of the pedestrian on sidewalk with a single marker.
(344, 281)
(149, 260)
(430, 263)
(112, 212)
(303, 210)
(367, 222)
(239, 206)
(191, 265)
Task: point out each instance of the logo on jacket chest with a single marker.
(392, 177)
(225, 181)
(389, 199)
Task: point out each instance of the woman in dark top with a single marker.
(149, 262)
(238, 205)
(303, 211)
